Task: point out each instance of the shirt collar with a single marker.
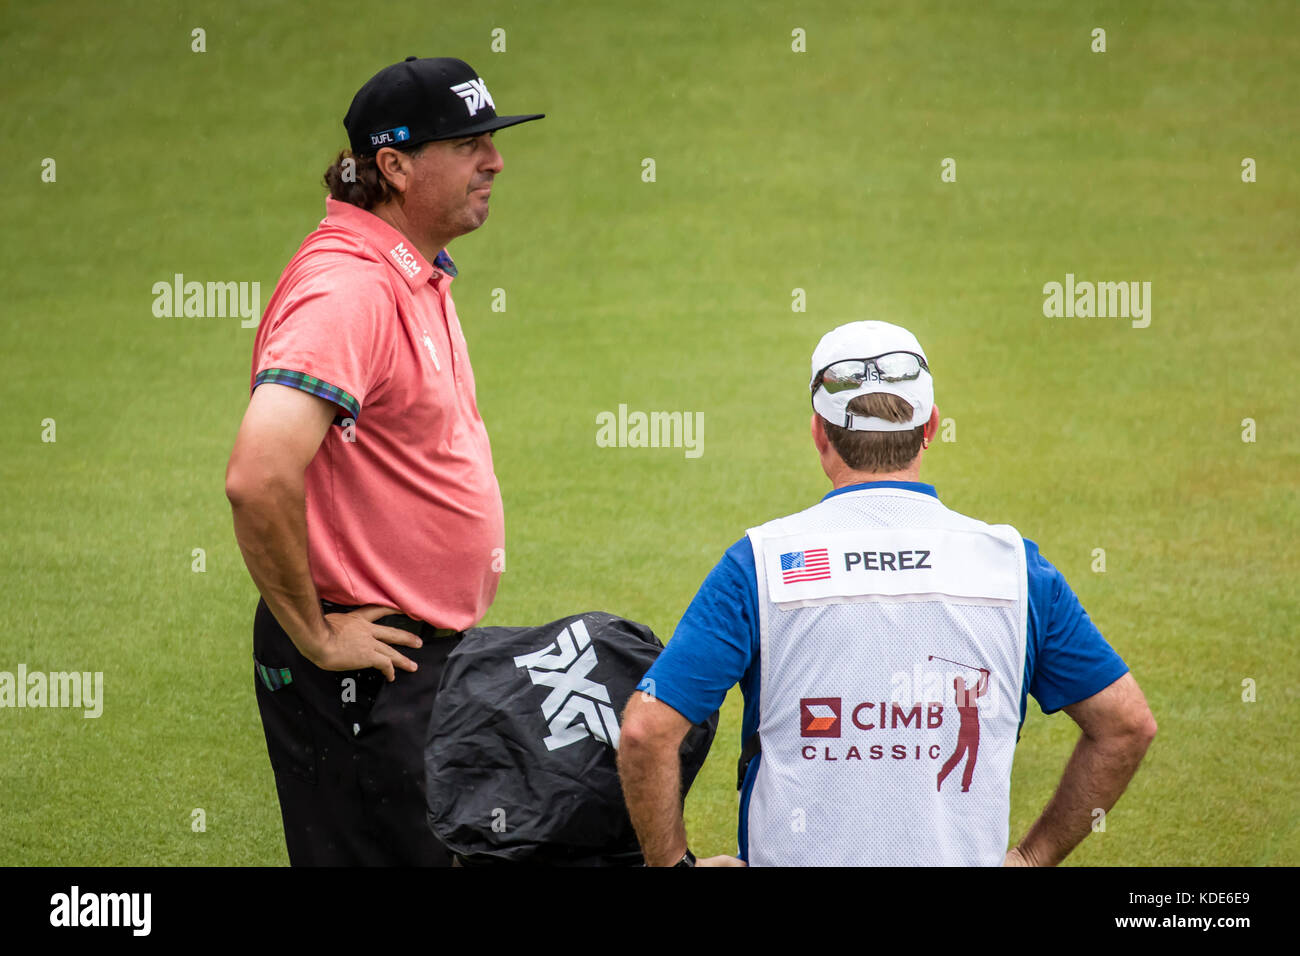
(443, 262)
(395, 249)
(917, 486)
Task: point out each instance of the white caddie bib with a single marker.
(892, 658)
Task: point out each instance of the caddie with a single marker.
(361, 481)
(885, 646)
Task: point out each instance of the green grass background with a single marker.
(775, 170)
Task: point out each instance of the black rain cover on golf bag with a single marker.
(519, 759)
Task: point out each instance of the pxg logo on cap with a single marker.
(819, 717)
(390, 136)
(475, 94)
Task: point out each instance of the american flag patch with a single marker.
(812, 565)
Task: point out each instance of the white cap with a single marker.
(863, 340)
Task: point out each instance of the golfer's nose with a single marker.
(493, 161)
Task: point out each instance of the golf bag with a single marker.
(520, 754)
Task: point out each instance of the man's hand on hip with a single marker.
(353, 641)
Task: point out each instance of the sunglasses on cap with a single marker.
(851, 374)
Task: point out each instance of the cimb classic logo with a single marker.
(819, 717)
(75, 908)
(576, 707)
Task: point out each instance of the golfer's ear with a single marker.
(392, 166)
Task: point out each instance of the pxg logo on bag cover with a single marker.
(576, 707)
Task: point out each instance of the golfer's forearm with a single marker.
(651, 779)
(1095, 777)
(271, 528)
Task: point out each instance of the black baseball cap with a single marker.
(421, 100)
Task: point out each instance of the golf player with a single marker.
(873, 635)
(361, 481)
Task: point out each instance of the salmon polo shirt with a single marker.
(403, 507)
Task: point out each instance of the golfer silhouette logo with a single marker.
(968, 734)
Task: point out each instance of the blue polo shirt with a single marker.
(716, 645)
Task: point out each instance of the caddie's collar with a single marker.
(918, 486)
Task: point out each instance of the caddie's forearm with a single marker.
(1095, 777)
(271, 528)
(652, 788)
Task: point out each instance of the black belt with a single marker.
(274, 678)
(422, 628)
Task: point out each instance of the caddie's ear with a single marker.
(932, 426)
(820, 441)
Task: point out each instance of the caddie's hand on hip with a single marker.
(354, 641)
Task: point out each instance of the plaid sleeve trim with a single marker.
(308, 383)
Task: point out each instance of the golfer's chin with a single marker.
(478, 212)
